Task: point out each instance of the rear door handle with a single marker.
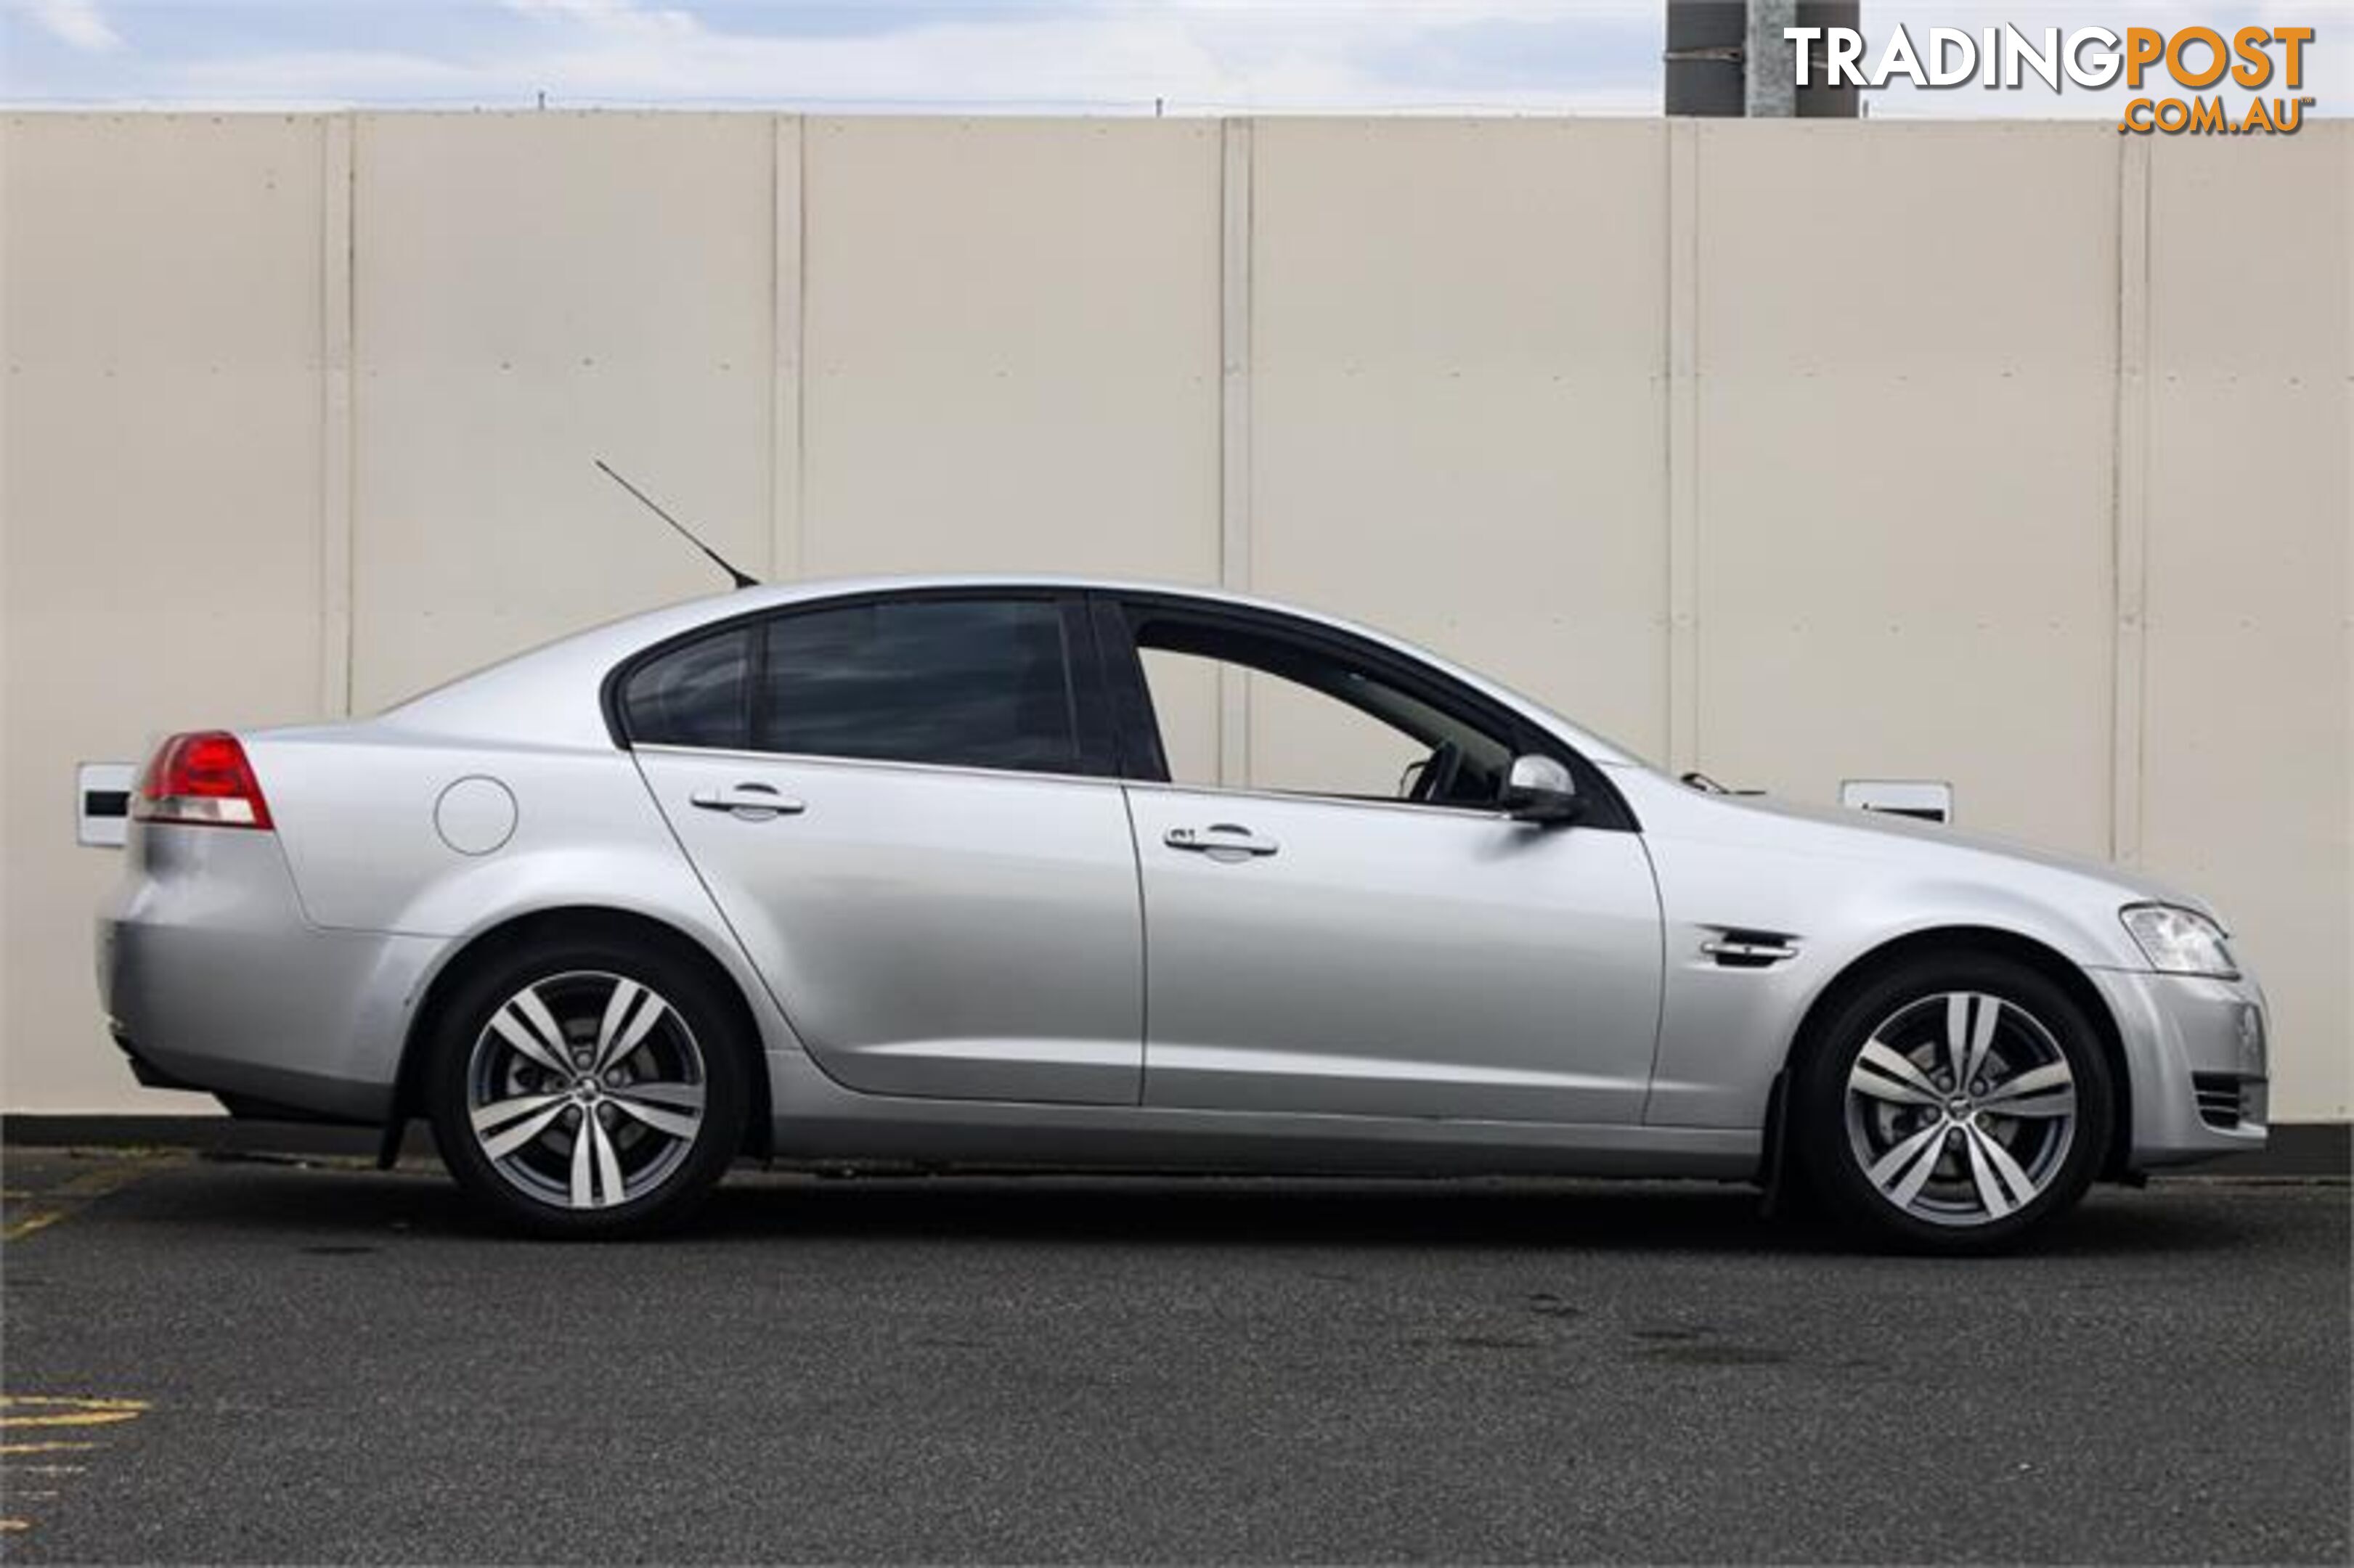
(753, 802)
(1220, 841)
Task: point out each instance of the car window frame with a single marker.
(1093, 732)
(1141, 750)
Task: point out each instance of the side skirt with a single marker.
(817, 1121)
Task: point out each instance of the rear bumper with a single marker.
(212, 979)
(2198, 1049)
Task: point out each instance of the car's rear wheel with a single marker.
(1953, 1104)
(587, 1088)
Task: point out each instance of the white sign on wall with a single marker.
(102, 803)
(1930, 800)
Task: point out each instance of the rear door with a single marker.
(902, 806)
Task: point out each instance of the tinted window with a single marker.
(692, 696)
(971, 683)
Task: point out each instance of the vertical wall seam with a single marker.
(772, 540)
(785, 370)
(1237, 214)
(2129, 496)
(336, 469)
(800, 346)
(1682, 396)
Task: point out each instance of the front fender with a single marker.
(1725, 1032)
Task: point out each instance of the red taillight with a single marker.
(202, 779)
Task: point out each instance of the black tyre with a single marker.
(588, 1087)
(1953, 1104)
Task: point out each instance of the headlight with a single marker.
(2179, 941)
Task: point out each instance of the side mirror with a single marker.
(1540, 790)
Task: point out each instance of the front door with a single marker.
(1358, 928)
(910, 831)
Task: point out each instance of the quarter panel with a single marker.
(356, 810)
(355, 807)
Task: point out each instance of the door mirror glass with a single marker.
(1540, 790)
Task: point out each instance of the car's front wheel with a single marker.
(587, 1088)
(1953, 1104)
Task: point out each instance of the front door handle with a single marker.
(753, 802)
(1220, 842)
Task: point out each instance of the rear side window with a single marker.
(961, 683)
(694, 695)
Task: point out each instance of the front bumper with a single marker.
(2197, 1049)
(213, 980)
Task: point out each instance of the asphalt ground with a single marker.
(220, 1361)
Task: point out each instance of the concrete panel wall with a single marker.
(1793, 451)
(160, 302)
(1905, 465)
(531, 293)
(2247, 779)
(1012, 331)
(1457, 427)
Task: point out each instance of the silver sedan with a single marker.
(965, 871)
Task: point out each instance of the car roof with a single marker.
(552, 695)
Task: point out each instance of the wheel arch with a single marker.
(625, 926)
(1975, 941)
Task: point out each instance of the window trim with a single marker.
(1143, 760)
(1093, 733)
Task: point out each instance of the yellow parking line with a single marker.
(69, 1411)
(109, 1175)
(106, 1177)
(48, 1412)
(66, 1402)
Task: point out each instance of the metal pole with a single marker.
(1769, 76)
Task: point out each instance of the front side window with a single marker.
(1321, 723)
(956, 682)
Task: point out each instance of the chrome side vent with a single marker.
(2218, 1094)
(1740, 948)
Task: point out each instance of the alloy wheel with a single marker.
(586, 1090)
(1961, 1109)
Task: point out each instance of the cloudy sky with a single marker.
(1061, 56)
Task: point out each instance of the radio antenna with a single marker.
(742, 580)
